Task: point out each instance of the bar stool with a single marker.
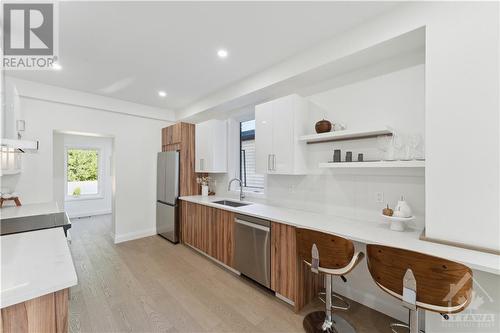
(332, 256)
(420, 281)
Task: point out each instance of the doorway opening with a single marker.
(84, 176)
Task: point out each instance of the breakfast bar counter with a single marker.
(368, 232)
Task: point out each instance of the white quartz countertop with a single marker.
(29, 210)
(368, 232)
(34, 264)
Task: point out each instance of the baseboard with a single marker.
(284, 299)
(232, 270)
(134, 235)
(392, 309)
(85, 214)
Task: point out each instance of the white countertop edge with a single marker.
(43, 281)
(29, 210)
(409, 240)
(22, 297)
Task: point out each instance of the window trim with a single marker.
(100, 173)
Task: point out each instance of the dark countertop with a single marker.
(16, 225)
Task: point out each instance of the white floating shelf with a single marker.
(377, 164)
(345, 135)
(10, 172)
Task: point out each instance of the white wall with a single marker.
(101, 204)
(136, 142)
(462, 107)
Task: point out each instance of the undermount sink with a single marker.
(231, 203)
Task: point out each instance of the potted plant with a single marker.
(203, 181)
(76, 192)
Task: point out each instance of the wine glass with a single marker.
(414, 142)
(398, 143)
(383, 143)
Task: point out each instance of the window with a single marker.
(252, 181)
(82, 172)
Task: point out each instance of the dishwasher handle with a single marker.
(252, 225)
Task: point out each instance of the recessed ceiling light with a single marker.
(222, 53)
(56, 66)
(161, 93)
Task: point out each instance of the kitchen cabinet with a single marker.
(172, 134)
(211, 146)
(209, 230)
(278, 125)
(181, 137)
(47, 313)
(283, 260)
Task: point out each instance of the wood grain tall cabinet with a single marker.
(181, 137)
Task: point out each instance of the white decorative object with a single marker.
(204, 190)
(398, 223)
(339, 127)
(403, 208)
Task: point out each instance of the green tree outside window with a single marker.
(82, 165)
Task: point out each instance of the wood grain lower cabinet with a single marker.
(283, 260)
(47, 313)
(224, 236)
(208, 229)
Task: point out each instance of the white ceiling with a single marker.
(130, 50)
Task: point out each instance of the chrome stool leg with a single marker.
(412, 327)
(327, 324)
(345, 306)
(326, 321)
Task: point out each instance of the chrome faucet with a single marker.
(242, 196)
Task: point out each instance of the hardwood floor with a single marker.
(150, 285)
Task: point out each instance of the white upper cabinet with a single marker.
(278, 125)
(211, 146)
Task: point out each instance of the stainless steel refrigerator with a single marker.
(167, 193)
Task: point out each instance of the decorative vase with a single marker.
(204, 190)
(404, 208)
(323, 126)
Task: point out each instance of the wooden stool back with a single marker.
(441, 284)
(334, 252)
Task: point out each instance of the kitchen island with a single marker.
(37, 272)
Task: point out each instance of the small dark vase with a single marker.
(323, 126)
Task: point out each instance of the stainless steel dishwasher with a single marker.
(252, 253)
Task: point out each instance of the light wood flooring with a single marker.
(150, 285)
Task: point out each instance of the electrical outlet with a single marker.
(379, 197)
